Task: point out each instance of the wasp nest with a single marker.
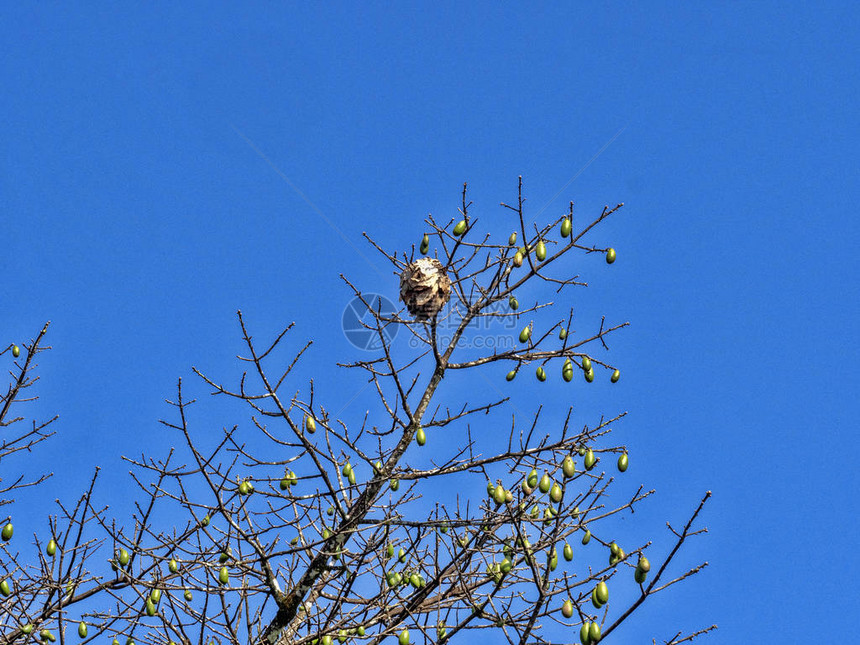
(424, 288)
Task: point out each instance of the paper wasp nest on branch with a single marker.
(425, 288)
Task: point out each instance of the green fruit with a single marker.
(123, 557)
(351, 477)
(545, 483)
(643, 564)
(378, 467)
(555, 493)
(415, 581)
(310, 424)
(532, 479)
(401, 555)
(568, 467)
(173, 565)
(188, 595)
(540, 251)
(553, 559)
(326, 534)
(390, 550)
(223, 576)
(506, 565)
(567, 609)
(499, 494)
(622, 462)
(360, 630)
(590, 459)
(150, 607)
(615, 376)
(562, 333)
(5, 589)
(285, 484)
(610, 255)
(614, 548)
(566, 227)
(567, 552)
(567, 370)
(593, 633)
(525, 334)
(425, 244)
(528, 490)
(595, 600)
(523, 251)
(403, 639)
(205, 521)
(51, 549)
(513, 303)
(589, 376)
(541, 374)
(640, 576)
(7, 531)
(155, 595)
(225, 555)
(512, 240)
(518, 259)
(421, 436)
(586, 538)
(16, 351)
(394, 484)
(510, 376)
(583, 634)
(27, 629)
(325, 640)
(441, 631)
(602, 592)
(295, 540)
(243, 488)
(346, 469)
(341, 636)
(580, 451)
(509, 496)
(586, 363)
(575, 512)
(460, 228)
(46, 635)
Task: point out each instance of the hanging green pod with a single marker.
(545, 483)
(590, 459)
(421, 436)
(610, 256)
(224, 576)
(615, 376)
(310, 424)
(567, 609)
(567, 552)
(7, 532)
(540, 251)
(541, 374)
(16, 351)
(567, 370)
(510, 375)
(525, 334)
(425, 244)
(566, 226)
(622, 462)
(512, 240)
(460, 228)
(513, 303)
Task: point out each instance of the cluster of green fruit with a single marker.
(341, 636)
(589, 633)
(567, 366)
(642, 569)
(245, 487)
(288, 480)
(349, 473)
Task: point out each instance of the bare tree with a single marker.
(318, 530)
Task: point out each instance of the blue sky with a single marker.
(165, 166)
